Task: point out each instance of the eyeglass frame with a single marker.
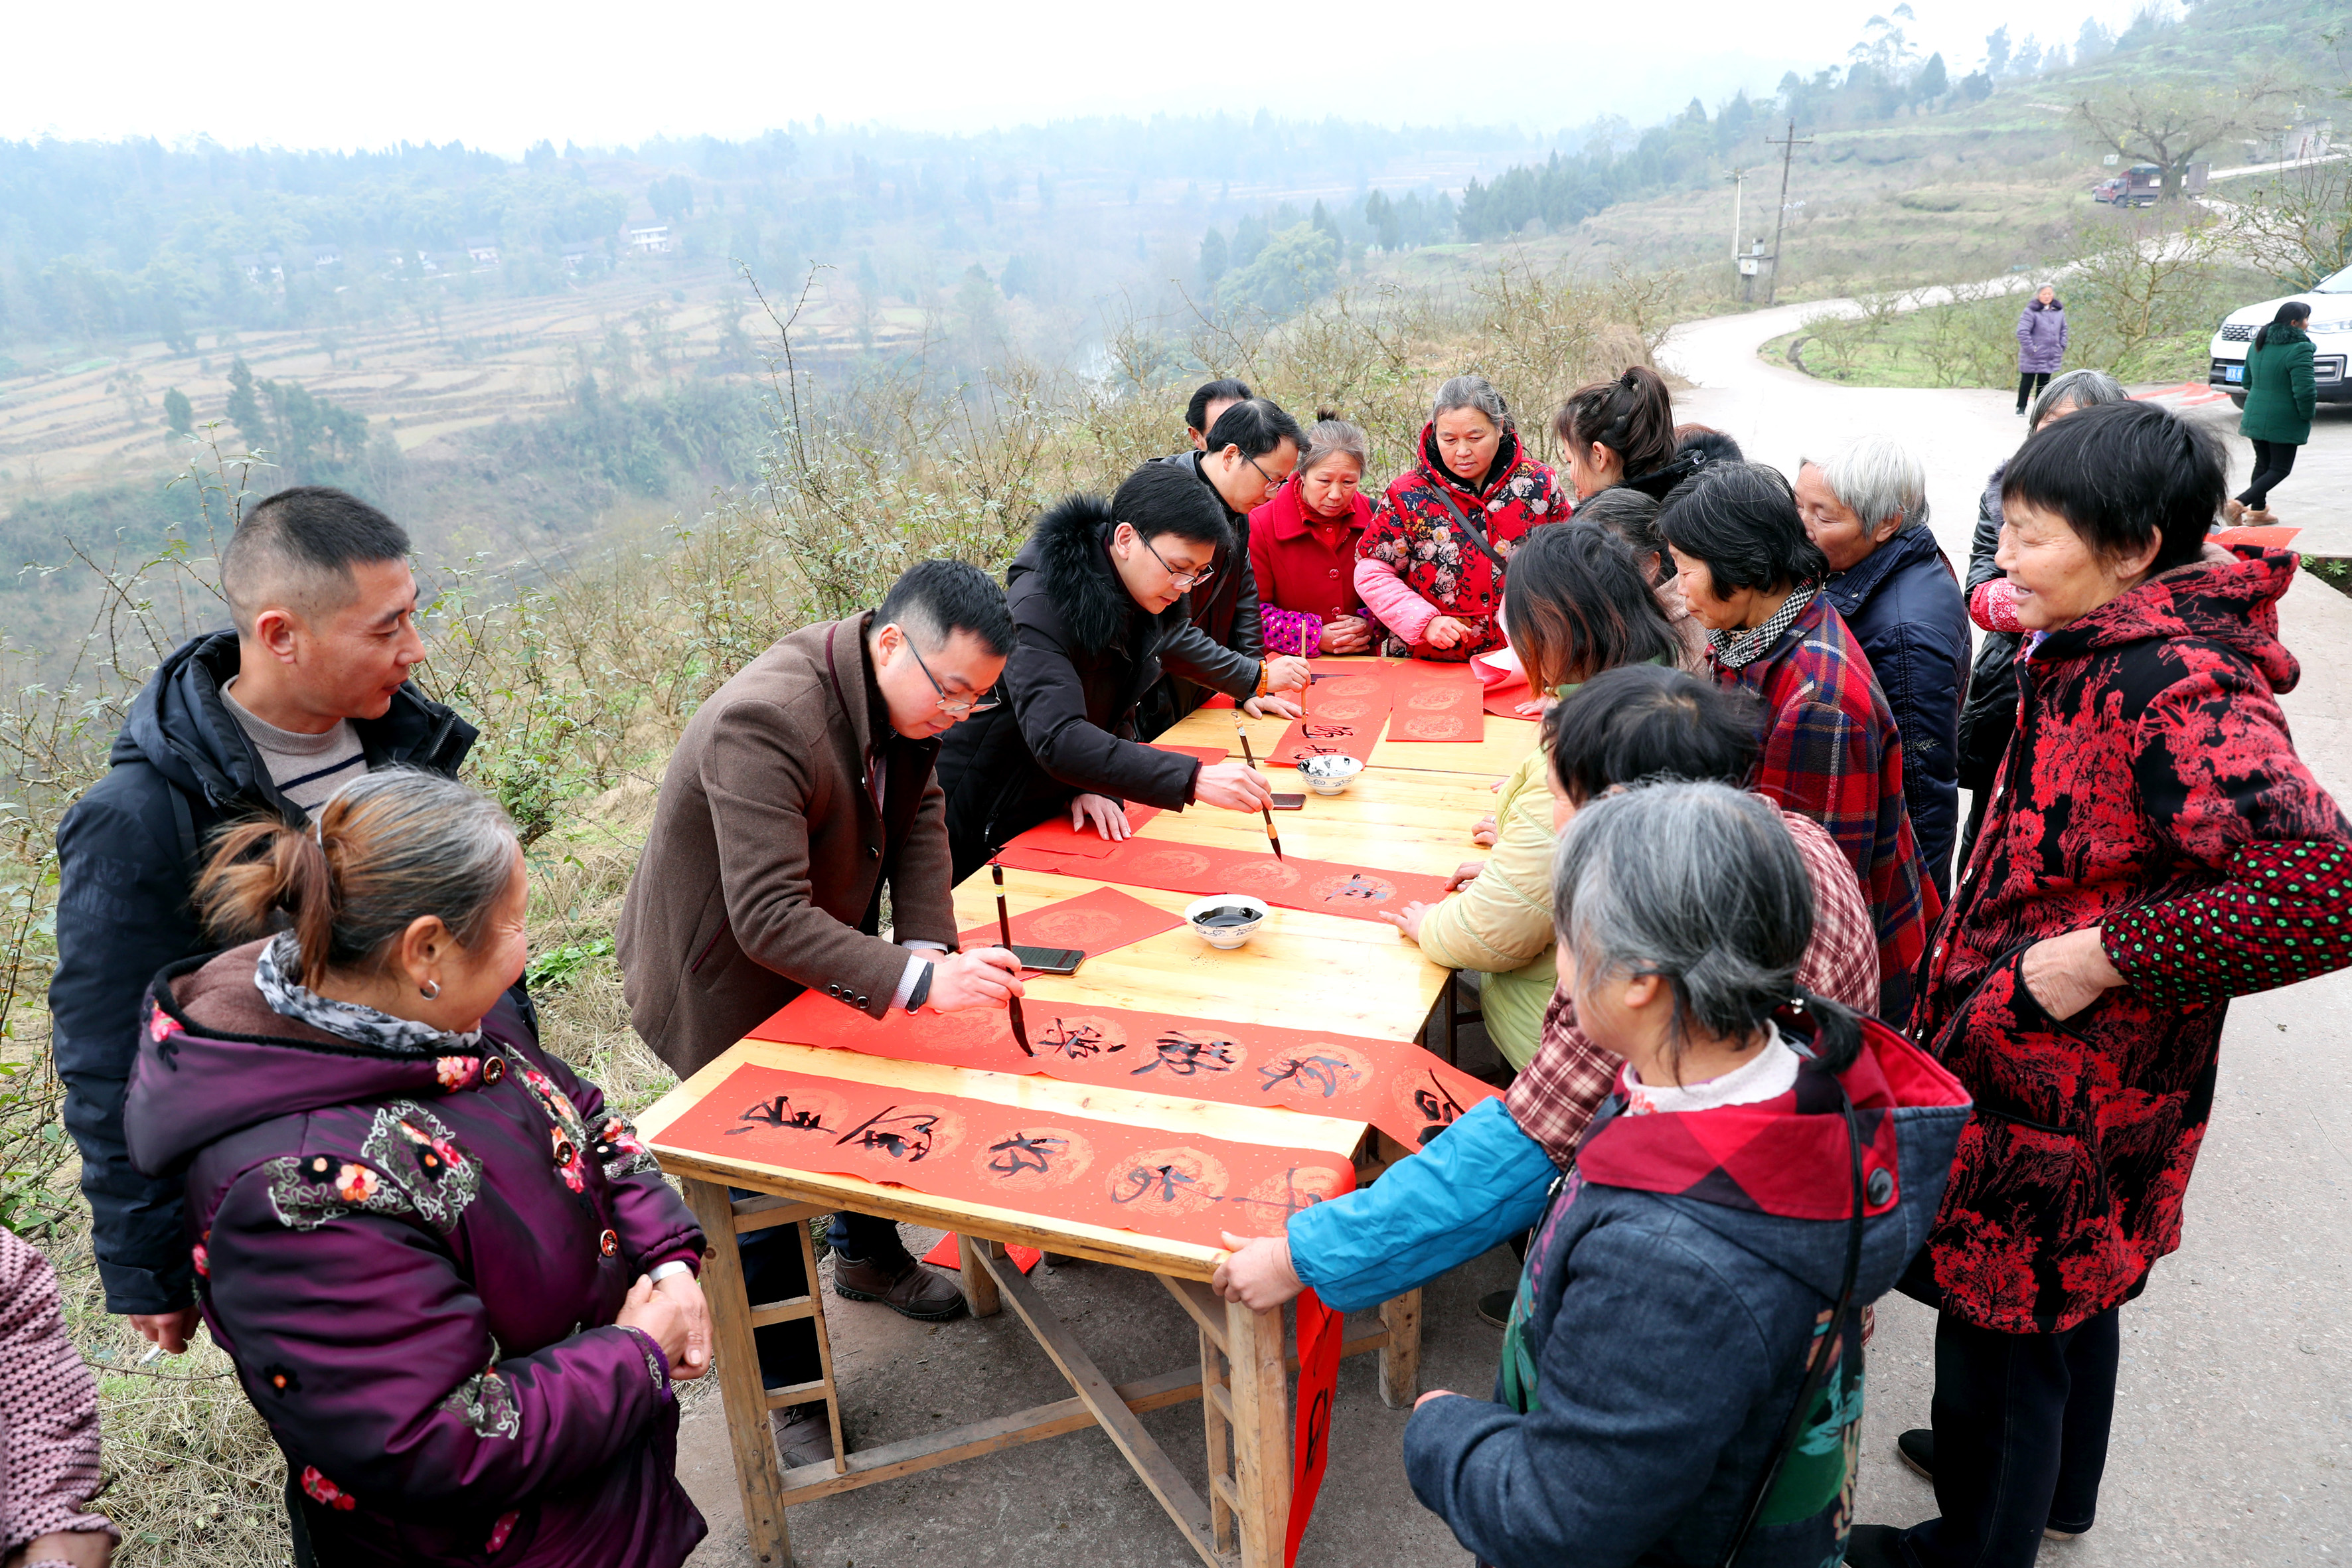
(981, 702)
(1272, 484)
(1176, 578)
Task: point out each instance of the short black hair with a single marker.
(297, 544)
(1741, 519)
(1717, 445)
(2122, 474)
(1632, 517)
(1196, 412)
(1576, 603)
(1258, 426)
(933, 600)
(1645, 722)
(1166, 498)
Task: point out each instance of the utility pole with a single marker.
(1739, 189)
(1787, 143)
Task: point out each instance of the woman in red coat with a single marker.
(1430, 566)
(1302, 547)
(2154, 848)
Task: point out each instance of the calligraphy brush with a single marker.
(1004, 931)
(1264, 809)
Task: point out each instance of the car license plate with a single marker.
(2236, 372)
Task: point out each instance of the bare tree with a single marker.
(2298, 225)
(2168, 123)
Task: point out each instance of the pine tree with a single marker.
(1213, 257)
(178, 413)
(245, 408)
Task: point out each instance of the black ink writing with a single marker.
(1319, 1072)
(1437, 1108)
(901, 1135)
(1022, 1153)
(1160, 1183)
(1076, 1041)
(1187, 1057)
(780, 1112)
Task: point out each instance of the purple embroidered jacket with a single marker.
(416, 1262)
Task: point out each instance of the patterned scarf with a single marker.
(1733, 650)
(290, 998)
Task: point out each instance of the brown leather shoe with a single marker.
(904, 1286)
(804, 1436)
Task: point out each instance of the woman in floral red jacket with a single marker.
(454, 1284)
(2154, 848)
(1430, 567)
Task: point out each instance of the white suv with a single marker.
(2331, 340)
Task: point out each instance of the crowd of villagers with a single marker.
(1782, 1028)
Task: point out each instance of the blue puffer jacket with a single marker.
(1905, 606)
(1664, 1322)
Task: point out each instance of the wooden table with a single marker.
(1412, 810)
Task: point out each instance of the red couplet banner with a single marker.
(1399, 1087)
(1324, 886)
(1171, 1186)
(1440, 702)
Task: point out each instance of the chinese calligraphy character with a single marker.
(1360, 888)
(1186, 1058)
(1163, 1183)
(1022, 1153)
(1325, 731)
(1316, 1071)
(1076, 1041)
(780, 1111)
(905, 1136)
(1437, 1108)
(1291, 1198)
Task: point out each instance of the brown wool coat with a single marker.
(762, 875)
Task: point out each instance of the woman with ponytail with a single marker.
(463, 1346)
(1622, 432)
(1431, 566)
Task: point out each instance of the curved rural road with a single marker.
(2232, 1441)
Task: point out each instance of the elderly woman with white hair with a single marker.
(1865, 507)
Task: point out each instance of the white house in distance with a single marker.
(577, 255)
(483, 250)
(326, 256)
(653, 238)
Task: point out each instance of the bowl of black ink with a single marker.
(1329, 775)
(1225, 920)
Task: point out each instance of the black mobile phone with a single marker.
(1290, 803)
(1049, 959)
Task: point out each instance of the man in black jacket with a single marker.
(1250, 450)
(310, 690)
(1098, 603)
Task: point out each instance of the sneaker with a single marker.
(1875, 1546)
(903, 1285)
(1494, 1307)
(1917, 1449)
(804, 1436)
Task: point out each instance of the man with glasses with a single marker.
(1097, 596)
(1251, 448)
(801, 788)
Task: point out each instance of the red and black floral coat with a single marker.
(1414, 543)
(2152, 790)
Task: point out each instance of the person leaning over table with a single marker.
(1576, 606)
(1431, 564)
(1210, 399)
(1098, 601)
(1483, 1179)
(1252, 448)
(455, 1284)
(1622, 432)
(1659, 1340)
(1865, 508)
(801, 788)
(1631, 518)
(1302, 547)
(2156, 848)
(1832, 750)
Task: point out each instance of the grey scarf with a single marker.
(1734, 650)
(273, 974)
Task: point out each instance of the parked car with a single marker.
(2331, 339)
(2139, 185)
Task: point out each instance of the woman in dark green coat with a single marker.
(2279, 397)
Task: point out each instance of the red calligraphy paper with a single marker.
(1323, 886)
(1345, 706)
(1502, 701)
(1170, 1185)
(947, 1255)
(1320, 1331)
(1093, 923)
(1058, 837)
(1436, 702)
(1395, 1085)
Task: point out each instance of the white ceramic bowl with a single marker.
(1226, 936)
(1329, 776)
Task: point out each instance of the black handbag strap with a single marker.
(1477, 534)
(1830, 1347)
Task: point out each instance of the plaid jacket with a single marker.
(1554, 1099)
(1832, 753)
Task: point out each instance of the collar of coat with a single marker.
(1073, 541)
(1508, 456)
(1287, 514)
(1849, 588)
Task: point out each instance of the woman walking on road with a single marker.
(2040, 344)
(2280, 398)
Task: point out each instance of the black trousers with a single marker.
(2029, 384)
(2021, 1424)
(2274, 461)
(772, 1272)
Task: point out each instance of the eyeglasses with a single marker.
(978, 704)
(1180, 579)
(1271, 482)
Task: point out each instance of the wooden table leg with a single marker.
(736, 1364)
(1216, 1414)
(979, 1295)
(1261, 1396)
(1401, 1357)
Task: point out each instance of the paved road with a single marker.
(2234, 1429)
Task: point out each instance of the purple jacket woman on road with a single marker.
(454, 1284)
(2040, 344)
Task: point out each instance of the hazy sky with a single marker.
(501, 74)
